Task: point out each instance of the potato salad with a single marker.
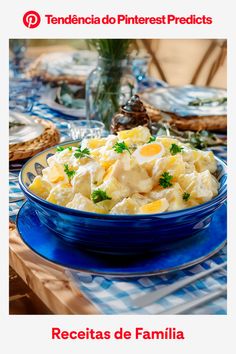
(129, 173)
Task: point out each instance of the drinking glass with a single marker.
(81, 129)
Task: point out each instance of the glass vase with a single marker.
(108, 86)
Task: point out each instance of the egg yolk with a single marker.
(154, 207)
(150, 150)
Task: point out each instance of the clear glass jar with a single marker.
(109, 85)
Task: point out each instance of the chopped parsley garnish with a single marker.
(151, 140)
(79, 153)
(61, 148)
(99, 195)
(121, 147)
(165, 180)
(186, 196)
(205, 101)
(175, 149)
(70, 173)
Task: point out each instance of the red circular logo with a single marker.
(31, 19)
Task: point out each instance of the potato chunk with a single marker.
(132, 175)
(201, 186)
(202, 160)
(61, 194)
(126, 206)
(135, 136)
(174, 196)
(80, 202)
(115, 189)
(81, 182)
(55, 173)
(172, 164)
(40, 187)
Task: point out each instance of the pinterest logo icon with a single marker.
(31, 19)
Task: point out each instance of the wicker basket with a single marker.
(30, 148)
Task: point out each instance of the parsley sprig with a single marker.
(186, 196)
(79, 153)
(151, 140)
(99, 195)
(165, 180)
(175, 149)
(120, 147)
(61, 148)
(70, 173)
(205, 101)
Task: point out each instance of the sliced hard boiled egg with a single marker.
(158, 206)
(149, 152)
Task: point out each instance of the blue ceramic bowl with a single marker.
(119, 234)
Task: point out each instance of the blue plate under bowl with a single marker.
(180, 255)
(118, 234)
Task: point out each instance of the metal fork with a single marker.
(190, 305)
(156, 295)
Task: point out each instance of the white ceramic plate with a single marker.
(177, 100)
(48, 98)
(30, 128)
(75, 63)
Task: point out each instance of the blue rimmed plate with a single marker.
(179, 100)
(177, 256)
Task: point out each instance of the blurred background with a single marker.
(177, 61)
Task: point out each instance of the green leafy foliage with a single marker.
(186, 196)
(70, 173)
(61, 148)
(80, 153)
(205, 101)
(151, 140)
(165, 180)
(111, 49)
(99, 195)
(120, 147)
(175, 149)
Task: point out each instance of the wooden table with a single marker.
(47, 280)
